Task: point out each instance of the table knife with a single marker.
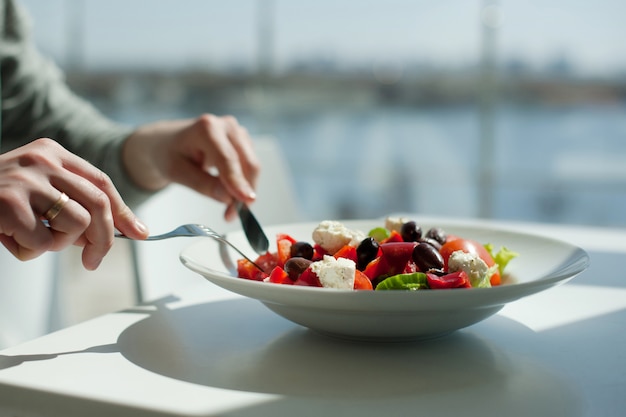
(252, 229)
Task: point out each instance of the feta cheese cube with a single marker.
(335, 273)
(333, 235)
(476, 269)
(395, 223)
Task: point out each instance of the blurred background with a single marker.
(510, 109)
(475, 108)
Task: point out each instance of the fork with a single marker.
(192, 230)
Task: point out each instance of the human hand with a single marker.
(210, 154)
(32, 179)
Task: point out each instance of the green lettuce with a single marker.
(379, 234)
(502, 257)
(413, 281)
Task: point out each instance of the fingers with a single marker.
(233, 155)
(94, 197)
(231, 211)
(68, 226)
(38, 178)
(241, 141)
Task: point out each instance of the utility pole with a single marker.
(490, 21)
(265, 38)
(75, 34)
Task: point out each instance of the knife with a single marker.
(252, 229)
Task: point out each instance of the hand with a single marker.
(33, 177)
(212, 155)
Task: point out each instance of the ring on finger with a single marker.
(56, 208)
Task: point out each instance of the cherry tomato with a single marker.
(469, 246)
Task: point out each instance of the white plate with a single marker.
(397, 315)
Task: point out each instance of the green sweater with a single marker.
(37, 103)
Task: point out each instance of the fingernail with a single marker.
(252, 195)
(96, 264)
(92, 264)
(141, 226)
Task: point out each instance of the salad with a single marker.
(398, 255)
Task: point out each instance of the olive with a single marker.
(437, 234)
(427, 257)
(366, 252)
(432, 242)
(294, 267)
(302, 250)
(410, 232)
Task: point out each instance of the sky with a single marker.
(179, 33)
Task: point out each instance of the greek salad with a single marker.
(398, 255)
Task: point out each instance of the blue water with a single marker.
(548, 164)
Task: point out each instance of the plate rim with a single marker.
(499, 295)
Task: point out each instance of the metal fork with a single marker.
(194, 230)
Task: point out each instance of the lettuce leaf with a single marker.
(413, 281)
(502, 257)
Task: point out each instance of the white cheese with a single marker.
(335, 273)
(476, 269)
(333, 235)
(395, 223)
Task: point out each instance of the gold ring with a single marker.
(56, 207)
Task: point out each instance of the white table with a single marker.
(204, 351)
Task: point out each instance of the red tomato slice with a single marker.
(457, 279)
(469, 246)
(394, 236)
(267, 262)
(246, 270)
(348, 252)
(318, 253)
(308, 278)
(280, 276)
(283, 251)
(281, 236)
(361, 281)
(283, 245)
(375, 268)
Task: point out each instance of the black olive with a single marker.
(431, 242)
(437, 234)
(294, 267)
(427, 257)
(366, 252)
(302, 250)
(410, 232)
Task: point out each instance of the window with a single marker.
(509, 109)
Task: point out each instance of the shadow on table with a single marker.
(9, 361)
(240, 345)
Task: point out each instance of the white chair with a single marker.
(27, 309)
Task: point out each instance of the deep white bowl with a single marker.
(397, 315)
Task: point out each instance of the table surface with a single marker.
(557, 353)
